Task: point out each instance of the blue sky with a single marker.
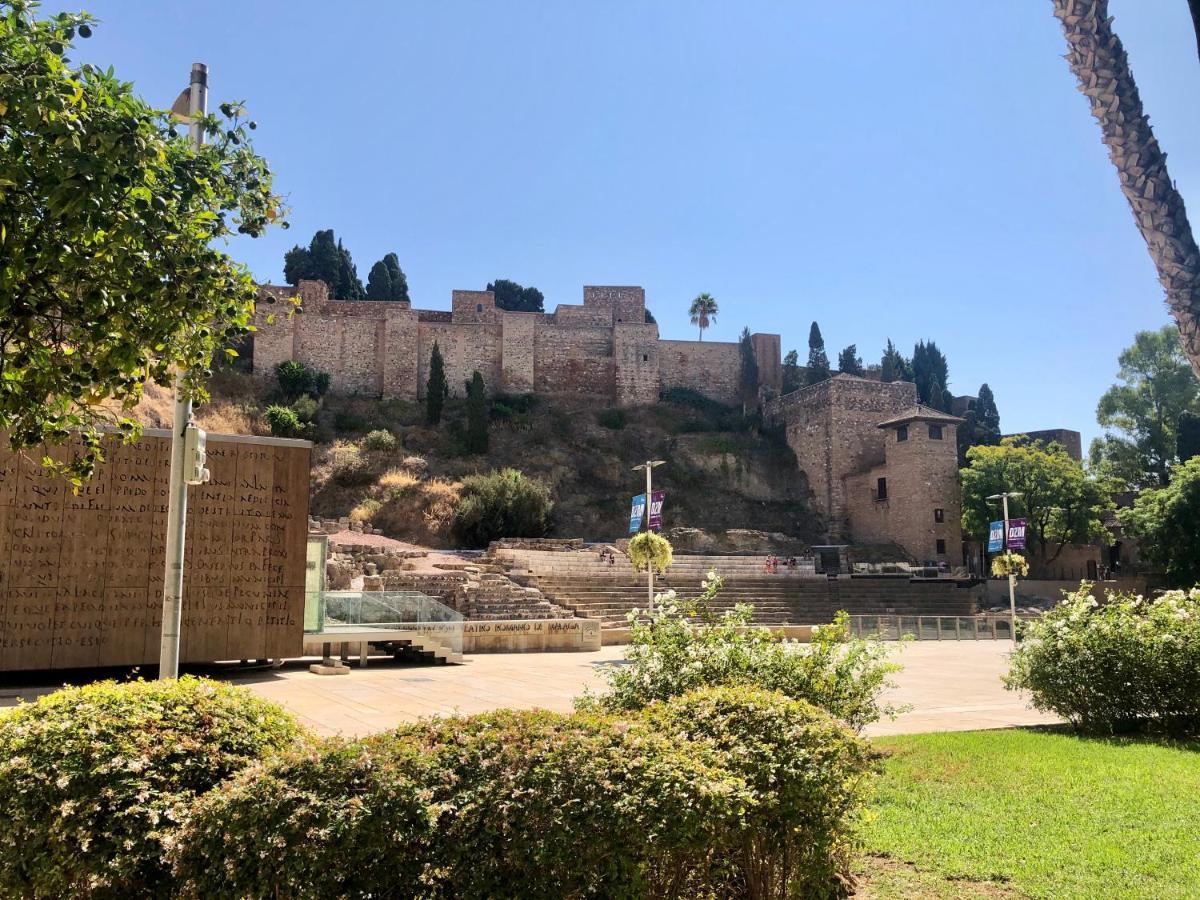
(891, 169)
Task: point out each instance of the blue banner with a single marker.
(636, 512)
(996, 537)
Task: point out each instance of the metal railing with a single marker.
(331, 612)
(933, 628)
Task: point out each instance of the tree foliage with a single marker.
(703, 312)
(792, 376)
(515, 298)
(499, 505)
(436, 388)
(748, 371)
(981, 424)
(1187, 436)
(325, 259)
(849, 362)
(387, 281)
(112, 271)
(1166, 522)
(818, 361)
(931, 374)
(1157, 387)
(1060, 502)
(893, 365)
(477, 415)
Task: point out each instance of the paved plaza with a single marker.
(949, 685)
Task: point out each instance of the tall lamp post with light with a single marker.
(649, 465)
(1012, 579)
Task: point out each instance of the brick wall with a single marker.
(635, 351)
(517, 351)
(465, 350)
(713, 368)
(628, 304)
(574, 360)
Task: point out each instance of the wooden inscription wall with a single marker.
(81, 574)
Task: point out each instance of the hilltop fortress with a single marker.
(604, 348)
(881, 467)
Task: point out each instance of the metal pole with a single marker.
(1012, 580)
(172, 611)
(649, 568)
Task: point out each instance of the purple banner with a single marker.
(656, 508)
(1016, 534)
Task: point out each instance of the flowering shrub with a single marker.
(648, 549)
(722, 792)
(1129, 663)
(682, 646)
(1009, 563)
(93, 780)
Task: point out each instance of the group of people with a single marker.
(773, 563)
(608, 556)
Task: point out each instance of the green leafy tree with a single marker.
(436, 388)
(931, 374)
(748, 374)
(386, 281)
(818, 361)
(1157, 387)
(849, 362)
(1061, 504)
(1166, 522)
(515, 298)
(477, 415)
(324, 259)
(981, 424)
(703, 312)
(792, 377)
(1187, 436)
(893, 366)
(111, 228)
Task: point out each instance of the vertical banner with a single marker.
(636, 512)
(656, 509)
(995, 537)
(1016, 534)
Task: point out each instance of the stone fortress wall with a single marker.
(603, 348)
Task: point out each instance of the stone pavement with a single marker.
(951, 685)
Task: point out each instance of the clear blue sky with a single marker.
(891, 169)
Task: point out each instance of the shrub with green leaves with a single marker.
(726, 792)
(682, 646)
(283, 421)
(501, 504)
(306, 409)
(611, 418)
(93, 780)
(380, 441)
(1129, 663)
(298, 380)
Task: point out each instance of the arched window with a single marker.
(478, 307)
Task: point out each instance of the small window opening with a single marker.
(881, 489)
(902, 433)
(935, 432)
(478, 307)
(939, 515)
(645, 357)
(941, 546)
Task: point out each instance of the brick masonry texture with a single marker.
(833, 428)
(603, 348)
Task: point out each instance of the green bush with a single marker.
(94, 779)
(298, 380)
(611, 418)
(351, 470)
(501, 504)
(283, 421)
(1129, 663)
(306, 409)
(682, 646)
(380, 441)
(349, 421)
(543, 805)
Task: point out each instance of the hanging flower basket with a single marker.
(649, 549)
(1010, 564)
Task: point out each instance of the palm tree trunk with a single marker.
(1098, 59)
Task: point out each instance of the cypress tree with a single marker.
(887, 364)
(436, 387)
(398, 278)
(818, 361)
(850, 362)
(987, 417)
(748, 376)
(929, 370)
(379, 282)
(791, 372)
(477, 415)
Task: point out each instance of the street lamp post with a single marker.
(1012, 579)
(649, 465)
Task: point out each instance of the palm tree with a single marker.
(1098, 59)
(703, 312)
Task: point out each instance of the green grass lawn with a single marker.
(1034, 813)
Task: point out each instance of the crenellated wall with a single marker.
(603, 348)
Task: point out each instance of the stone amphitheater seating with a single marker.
(582, 582)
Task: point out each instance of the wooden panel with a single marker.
(81, 573)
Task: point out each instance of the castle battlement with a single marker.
(602, 348)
